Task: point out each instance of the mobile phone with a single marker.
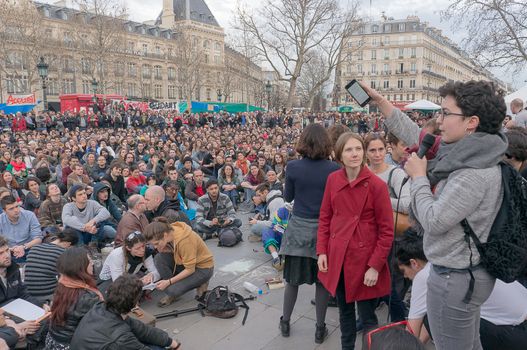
(358, 93)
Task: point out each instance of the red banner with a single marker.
(21, 100)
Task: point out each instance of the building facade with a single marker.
(142, 61)
(405, 60)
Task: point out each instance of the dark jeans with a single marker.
(348, 327)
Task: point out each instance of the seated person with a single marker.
(20, 227)
(116, 180)
(86, 216)
(50, 213)
(136, 181)
(172, 192)
(229, 183)
(274, 183)
(134, 258)
(159, 205)
(75, 295)
(41, 267)
(273, 201)
(173, 175)
(215, 211)
(11, 283)
(101, 194)
(272, 236)
(195, 188)
(78, 177)
(184, 261)
(108, 326)
(133, 220)
(251, 181)
(187, 170)
(503, 322)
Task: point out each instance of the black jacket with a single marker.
(104, 329)
(118, 187)
(171, 210)
(15, 288)
(76, 313)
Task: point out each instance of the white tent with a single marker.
(423, 105)
(521, 93)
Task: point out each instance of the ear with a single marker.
(473, 123)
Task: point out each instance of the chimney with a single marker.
(168, 16)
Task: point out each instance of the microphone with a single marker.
(426, 144)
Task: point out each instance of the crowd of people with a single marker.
(328, 197)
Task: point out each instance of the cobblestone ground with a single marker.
(248, 262)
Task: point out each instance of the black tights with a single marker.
(321, 301)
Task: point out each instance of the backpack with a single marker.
(229, 236)
(267, 215)
(221, 303)
(504, 255)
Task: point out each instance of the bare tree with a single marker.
(23, 40)
(286, 31)
(99, 33)
(496, 30)
(189, 60)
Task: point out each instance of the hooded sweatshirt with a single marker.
(109, 205)
(189, 248)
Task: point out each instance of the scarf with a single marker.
(76, 284)
(242, 165)
(253, 180)
(476, 151)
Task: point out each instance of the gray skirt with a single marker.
(300, 238)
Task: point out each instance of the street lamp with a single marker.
(43, 67)
(94, 85)
(268, 89)
(429, 67)
(220, 94)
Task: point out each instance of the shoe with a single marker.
(321, 333)
(332, 302)
(166, 301)
(277, 264)
(284, 327)
(206, 236)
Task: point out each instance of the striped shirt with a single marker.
(41, 269)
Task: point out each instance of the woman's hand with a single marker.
(147, 279)
(415, 166)
(374, 95)
(370, 277)
(163, 284)
(322, 263)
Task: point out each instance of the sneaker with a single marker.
(277, 264)
(206, 236)
(254, 238)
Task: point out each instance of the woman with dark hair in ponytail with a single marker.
(184, 261)
(76, 293)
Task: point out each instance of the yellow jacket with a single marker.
(189, 249)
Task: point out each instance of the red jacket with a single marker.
(356, 232)
(19, 125)
(133, 185)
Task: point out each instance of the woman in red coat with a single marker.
(355, 234)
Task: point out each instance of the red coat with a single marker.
(19, 125)
(355, 231)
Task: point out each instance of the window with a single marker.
(414, 39)
(131, 90)
(386, 84)
(375, 28)
(146, 72)
(147, 90)
(402, 27)
(401, 52)
(359, 55)
(373, 54)
(373, 68)
(387, 28)
(172, 92)
(158, 50)
(412, 84)
(171, 73)
(86, 87)
(85, 66)
(359, 68)
(132, 70)
(68, 86)
(207, 59)
(131, 47)
(386, 54)
(68, 65)
(217, 59)
(386, 68)
(400, 85)
(118, 88)
(413, 52)
(53, 87)
(119, 69)
(413, 67)
(217, 46)
(206, 44)
(386, 40)
(374, 42)
(158, 91)
(158, 72)
(401, 67)
(373, 84)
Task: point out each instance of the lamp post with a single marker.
(268, 89)
(94, 85)
(43, 72)
(220, 94)
(429, 67)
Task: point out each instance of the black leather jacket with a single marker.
(64, 333)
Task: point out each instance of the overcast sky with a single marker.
(427, 10)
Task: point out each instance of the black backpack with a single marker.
(229, 236)
(504, 255)
(221, 303)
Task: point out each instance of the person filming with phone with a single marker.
(463, 181)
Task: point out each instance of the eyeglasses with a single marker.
(132, 235)
(444, 114)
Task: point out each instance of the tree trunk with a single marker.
(292, 92)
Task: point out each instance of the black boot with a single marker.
(320, 334)
(284, 327)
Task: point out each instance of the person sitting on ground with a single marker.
(101, 194)
(274, 183)
(184, 261)
(251, 181)
(229, 183)
(85, 216)
(41, 267)
(11, 283)
(75, 295)
(50, 213)
(173, 175)
(78, 177)
(159, 205)
(503, 324)
(215, 212)
(195, 188)
(136, 181)
(133, 220)
(116, 180)
(4, 192)
(172, 192)
(34, 197)
(134, 258)
(272, 236)
(187, 170)
(273, 200)
(20, 227)
(108, 326)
